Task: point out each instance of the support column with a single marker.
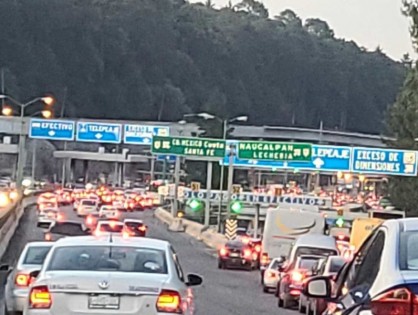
(72, 170)
(208, 188)
(86, 171)
(120, 174)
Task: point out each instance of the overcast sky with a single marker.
(370, 23)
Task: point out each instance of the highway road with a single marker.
(224, 292)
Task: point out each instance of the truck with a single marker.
(283, 225)
(362, 227)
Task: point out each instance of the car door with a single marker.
(357, 278)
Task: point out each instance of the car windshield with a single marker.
(111, 227)
(336, 264)
(36, 255)
(408, 250)
(88, 202)
(108, 258)
(315, 251)
(307, 263)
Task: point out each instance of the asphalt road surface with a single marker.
(224, 292)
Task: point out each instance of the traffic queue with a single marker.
(104, 263)
(373, 271)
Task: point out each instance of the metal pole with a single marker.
(152, 173)
(64, 162)
(165, 169)
(257, 220)
(21, 156)
(34, 149)
(221, 183)
(208, 189)
(230, 177)
(176, 186)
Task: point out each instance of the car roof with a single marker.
(112, 241)
(39, 244)
(316, 240)
(406, 224)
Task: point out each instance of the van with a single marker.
(313, 244)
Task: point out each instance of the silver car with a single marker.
(111, 275)
(19, 280)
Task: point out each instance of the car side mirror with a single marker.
(193, 280)
(280, 268)
(318, 287)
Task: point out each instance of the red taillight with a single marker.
(40, 298)
(257, 248)
(142, 228)
(247, 253)
(399, 301)
(297, 276)
(223, 252)
(169, 302)
(89, 220)
(271, 274)
(23, 280)
(264, 259)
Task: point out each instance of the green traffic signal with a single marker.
(236, 206)
(340, 222)
(195, 205)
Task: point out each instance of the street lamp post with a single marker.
(47, 100)
(225, 124)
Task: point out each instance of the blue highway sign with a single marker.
(384, 161)
(324, 158)
(99, 132)
(168, 158)
(51, 129)
(142, 134)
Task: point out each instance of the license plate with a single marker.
(104, 302)
(234, 255)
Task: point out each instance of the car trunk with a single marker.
(102, 292)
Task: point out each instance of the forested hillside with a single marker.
(158, 59)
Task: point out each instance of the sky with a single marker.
(370, 23)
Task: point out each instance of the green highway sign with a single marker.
(201, 147)
(275, 151)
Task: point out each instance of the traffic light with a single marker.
(195, 205)
(340, 222)
(236, 206)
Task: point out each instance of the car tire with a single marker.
(6, 312)
(301, 308)
(279, 302)
(221, 265)
(286, 303)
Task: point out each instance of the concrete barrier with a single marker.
(8, 229)
(210, 237)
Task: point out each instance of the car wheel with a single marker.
(301, 308)
(286, 302)
(308, 308)
(221, 265)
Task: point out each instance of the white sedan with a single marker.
(86, 207)
(108, 212)
(111, 275)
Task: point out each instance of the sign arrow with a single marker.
(51, 133)
(99, 136)
(318, 162)
(147, 140)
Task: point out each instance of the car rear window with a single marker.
(109, 227)
(133, 225)
(408, 250)
(307, 263)
(36, 255)
(88, 202)
(108, 258)
(336, 265)
(315, 251)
